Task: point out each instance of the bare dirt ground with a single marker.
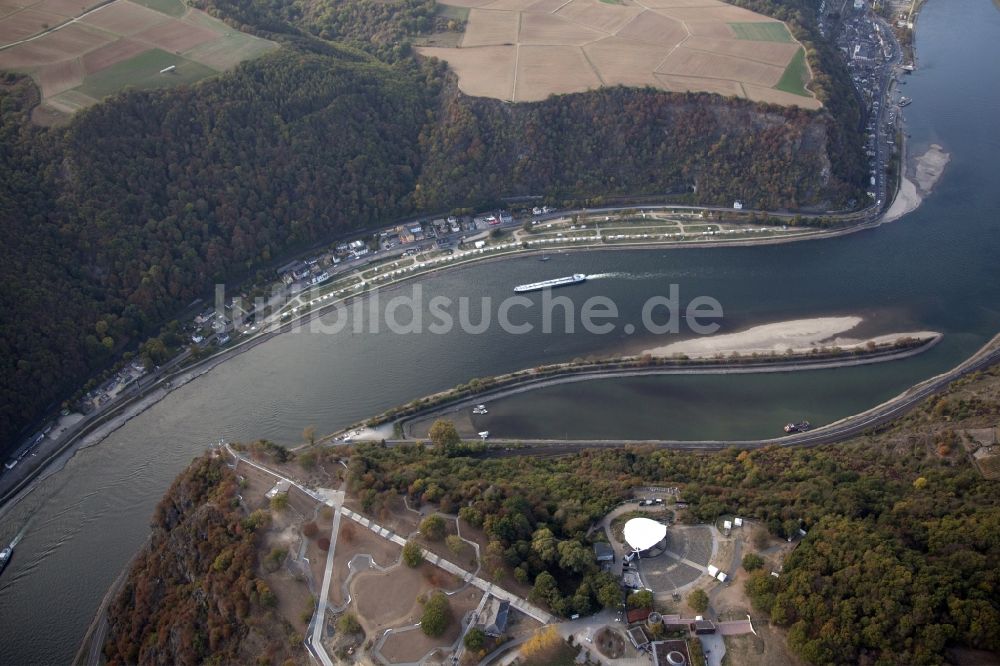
(389, 599)
(176, 36)
(526, 50)
(354, 540)
(371, 590)
(326, 474)
(124, 18)
(26, 23)
(60, 76)
(293, 598)
(108, 55)
(768, 648)
(71, 41)
(412, 645)
(688, 62)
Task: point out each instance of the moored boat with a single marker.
(801, 426)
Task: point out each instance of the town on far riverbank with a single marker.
(350, 268)
(353, 266)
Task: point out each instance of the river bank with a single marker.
(797, 336)
(477, 390)
(875, 417)
(917, 181)
(87, 521)
(87, 433)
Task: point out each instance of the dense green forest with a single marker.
(900, 561)
(620, 141)
(380, 27)
(120, 219)
(193, 596)
(143, 202)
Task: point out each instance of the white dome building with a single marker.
(641, 534)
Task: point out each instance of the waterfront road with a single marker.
(837, 431)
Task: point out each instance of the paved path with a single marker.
(315, 640)
(322, 495)
(714, 648)
(515, 601)
(694, 565)
(735, 627)
(584, 630)
(335, 499)
(473, 619)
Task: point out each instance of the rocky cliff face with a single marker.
(193, 595)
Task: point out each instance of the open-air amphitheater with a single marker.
(526, 50)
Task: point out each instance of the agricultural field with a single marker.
(526, 50)
(81, 51)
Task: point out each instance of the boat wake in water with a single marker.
(627, 276)
(20, 535)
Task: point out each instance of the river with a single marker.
(935, 269)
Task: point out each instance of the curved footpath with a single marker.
(837, 431)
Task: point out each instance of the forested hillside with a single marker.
(899, 564)
(380, 27)
(143, 202)
(140, 204)
(900, 561)
(627, 141)
(193, 596)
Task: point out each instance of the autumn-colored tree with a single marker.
(542, 645)
(348, 624)
(640, 599)
(455, 543)
(437, 615)
(474, 639)
(698, 600)
(752, 561)
(433, 527)
(444, 436)
(412, 554)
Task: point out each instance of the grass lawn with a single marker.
(169, 7)
(143, 71)
(448, 11)
(795, 76)
(761, 32)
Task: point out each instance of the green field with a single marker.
(795, 76)
(761, 32)
(174, 8)
(231, 48)
(143, 71)
(457, 13)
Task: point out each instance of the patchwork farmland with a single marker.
(80, 51)
(526, 50)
